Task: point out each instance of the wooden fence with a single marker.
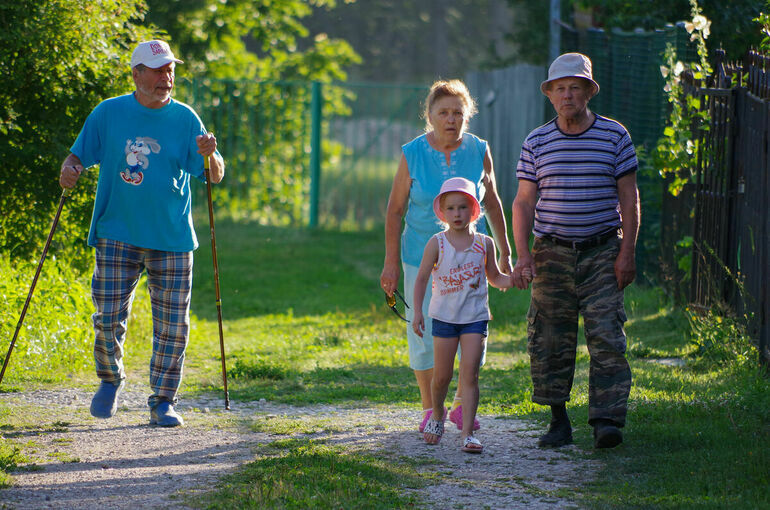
(510, 106)
(731, 192)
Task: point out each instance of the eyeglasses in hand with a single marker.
(391, 301)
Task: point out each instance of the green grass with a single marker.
(305, 323)
(301, 473)
(355, 190)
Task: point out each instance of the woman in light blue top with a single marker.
(444, 151)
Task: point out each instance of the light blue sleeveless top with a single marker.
(428, 169)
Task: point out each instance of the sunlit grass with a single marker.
(301, 473)
(305, 323)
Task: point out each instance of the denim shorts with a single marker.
(421, 348)
(443, 329)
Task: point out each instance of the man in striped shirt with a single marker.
(578, 195)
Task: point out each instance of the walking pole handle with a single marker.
(206, 168)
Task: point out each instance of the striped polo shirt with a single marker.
(576, 177)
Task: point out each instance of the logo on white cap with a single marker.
(157, 48)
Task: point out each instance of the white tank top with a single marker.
(460, 282)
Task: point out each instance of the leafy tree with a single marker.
(58, 59)
(242, 39)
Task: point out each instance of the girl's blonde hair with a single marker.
(453, 88)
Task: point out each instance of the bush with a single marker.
(720, 340)
(56, 331)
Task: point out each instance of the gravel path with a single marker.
(123, 463)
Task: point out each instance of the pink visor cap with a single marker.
(461, 185)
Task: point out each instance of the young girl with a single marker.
(461, 261)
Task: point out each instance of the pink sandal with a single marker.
(456, 417)
(427, 414)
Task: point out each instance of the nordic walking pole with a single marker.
(206, 165)
(65, 193)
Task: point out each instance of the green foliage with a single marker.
(264, 132)
(764, 22)
(720, 339)
(679, 148)
(58, 59)
(242, 39)
(56, 338)
(684, 255)
(733, 32)
(531, 32)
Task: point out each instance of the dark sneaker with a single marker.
(164, 415)
(607, 435)
(559, 434)
(105, 401)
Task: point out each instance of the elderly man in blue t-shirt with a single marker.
(147, 146)
(578, 195)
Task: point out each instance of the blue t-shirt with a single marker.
(145, 157)
(428, 170)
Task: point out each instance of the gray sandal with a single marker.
(434, 427)
(472, 445)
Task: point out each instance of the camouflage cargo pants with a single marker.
(571, 282)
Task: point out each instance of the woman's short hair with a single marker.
(453, 88)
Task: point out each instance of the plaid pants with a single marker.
(169, 276)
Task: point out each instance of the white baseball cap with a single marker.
(570, 65)
(153, 54)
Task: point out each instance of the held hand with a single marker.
(207, 144)
(418, 323)
(524, 272)
(69, 175)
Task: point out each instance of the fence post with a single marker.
(315, 151)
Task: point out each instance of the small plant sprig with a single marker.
(764, 20)
(678, 148)
(720, 338)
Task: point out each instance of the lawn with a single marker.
(305, 322)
